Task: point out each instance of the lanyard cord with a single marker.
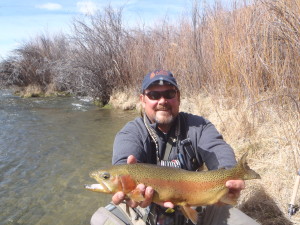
(154, 137)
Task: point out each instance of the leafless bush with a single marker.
(98, 53)
(33, 62)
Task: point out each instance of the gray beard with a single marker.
(165, 121)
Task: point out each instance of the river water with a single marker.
(48, 146)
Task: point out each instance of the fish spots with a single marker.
(181, 191)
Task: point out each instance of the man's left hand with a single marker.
(235, 187)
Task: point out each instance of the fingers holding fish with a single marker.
(131, 203)
(139, 191)
(148, 197)
(131, 159)
(118, 197)
(235, 184)
(147, 192)
(167, 204)
(140, 196)
(235, 187)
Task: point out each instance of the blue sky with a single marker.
(21, 20)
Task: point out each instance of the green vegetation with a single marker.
(239, 68)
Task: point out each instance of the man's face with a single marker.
(163, 110)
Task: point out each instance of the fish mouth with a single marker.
(98, 188)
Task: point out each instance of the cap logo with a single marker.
(159, 72)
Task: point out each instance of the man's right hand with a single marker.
(147, 192)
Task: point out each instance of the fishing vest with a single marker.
(176, 150)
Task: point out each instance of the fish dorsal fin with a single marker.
(189, 213)
(248, 173)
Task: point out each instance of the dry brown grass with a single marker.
(30, 91)
(124, 100)
(271, 133)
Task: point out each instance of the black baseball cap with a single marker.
(160, 77)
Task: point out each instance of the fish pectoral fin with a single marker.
(136, 195)
(189, 213)
(127, 183)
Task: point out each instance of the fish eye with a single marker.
(105, 175)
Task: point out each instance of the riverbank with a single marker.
(32, 91)
(268, 130)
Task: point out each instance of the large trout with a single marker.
(181, 187)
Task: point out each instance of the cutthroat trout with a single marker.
(181, 187)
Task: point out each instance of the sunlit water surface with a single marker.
(48, 146)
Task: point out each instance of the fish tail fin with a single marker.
(189, 213)
(248, 172)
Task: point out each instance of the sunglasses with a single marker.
(156, 95)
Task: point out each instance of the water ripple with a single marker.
(48, 146)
